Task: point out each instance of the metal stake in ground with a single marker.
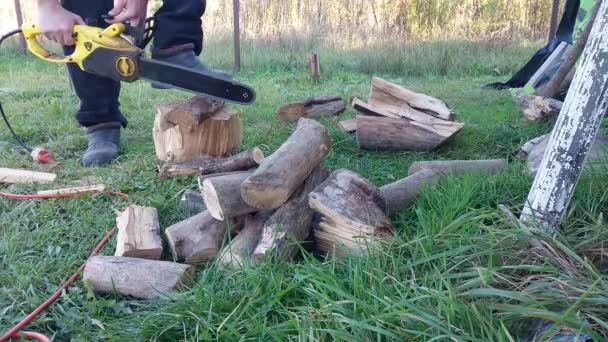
(574, 132)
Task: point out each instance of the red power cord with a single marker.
(14, 331)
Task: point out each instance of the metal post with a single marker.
(237, 34)
(19, 16)
(554, 14)
(574, 132)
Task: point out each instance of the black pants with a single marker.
(177, 22)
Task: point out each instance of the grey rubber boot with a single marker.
(104, 142)
(183, 55)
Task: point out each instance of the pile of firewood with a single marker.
(396, 118)
(251, 208)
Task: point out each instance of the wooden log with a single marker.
(223, 197)
(138, 278)
(191, 112)
(374, 133)
(351, 213)
(367, 109)
(553, 86)
(198, 239)
(238, 251)
(349, 126)
(573, 134)
(392, 97)
(280, 175)
(291, 224)
(556, 57)
(535, 108)
(76, 190)
(138, 233)
(529, 146)
(193, 201)
(492, 166)
(312, 108)
(210, 165)
(20, 176)
(179, 138)
(402, 193)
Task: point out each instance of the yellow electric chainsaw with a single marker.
(106, 52)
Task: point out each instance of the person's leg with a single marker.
(99, 107)
(178, 22)
(178, 34)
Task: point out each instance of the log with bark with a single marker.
(198, 239)
(180, 135)
(351, 212)
(535, 108)
(402, 193)
(239, 250)
(381, 133)
(280, 175)
(312, 108)
(193, 201)
(212, 165)
(222, 195)
(138, 233)
(20, 176)
(291, 224)
(139, 278)
(492, 166)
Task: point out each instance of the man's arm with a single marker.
(56, 23)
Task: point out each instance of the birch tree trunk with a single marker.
(574, 132)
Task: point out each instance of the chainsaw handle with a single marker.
(31, 33)
(85, 38)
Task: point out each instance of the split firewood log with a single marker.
(402, 193)
(184, 136)
(280, 175)
(492, 166)
(381, 133)
(535, 108)
(139, 278)
(239, 250)
(88, 189)
(312, 108)
(351, 213)
(349, 126)
(138, 233)
(291, 224)
(222, 196)
(19, 176)
(212, 165)
(198, 239)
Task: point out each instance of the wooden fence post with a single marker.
(573, 134)
(237, 34)
(554, 15)
(19, 15)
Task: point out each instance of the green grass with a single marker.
(457, 270)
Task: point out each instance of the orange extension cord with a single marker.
(14, 332)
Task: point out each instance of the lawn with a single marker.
(457, 270)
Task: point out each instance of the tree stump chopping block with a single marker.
(180, 135)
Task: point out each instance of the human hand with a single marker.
(56, 23)
(133, 11)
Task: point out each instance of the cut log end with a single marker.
(212, 200)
